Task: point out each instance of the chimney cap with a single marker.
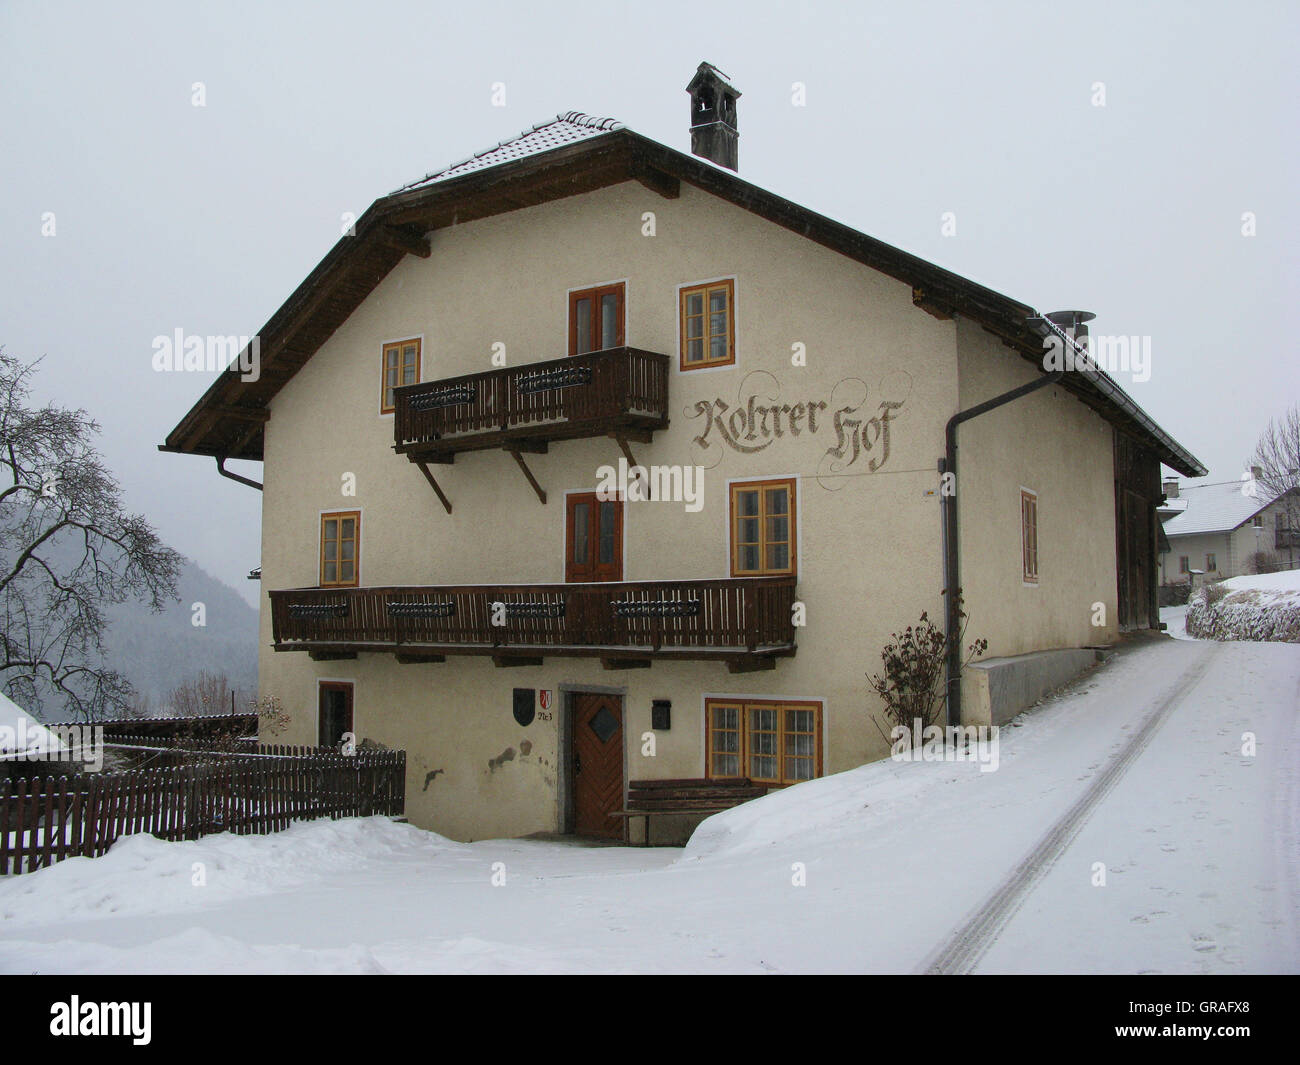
(707, 71)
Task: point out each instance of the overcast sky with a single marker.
(206, 218)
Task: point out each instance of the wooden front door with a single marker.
(597, 769)
(334, 712)
(593, 549)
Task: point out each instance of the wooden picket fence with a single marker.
(44, 820)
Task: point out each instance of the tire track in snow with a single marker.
(968, 944)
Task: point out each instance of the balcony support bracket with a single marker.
(625, 663)
(507, 661)
(514, 454)
(750, 664)
(627, 451)
(424, 469)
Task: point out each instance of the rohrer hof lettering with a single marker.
(757, 419)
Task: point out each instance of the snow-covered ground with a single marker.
(877, 869)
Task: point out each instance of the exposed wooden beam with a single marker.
(927, 302)
(249, 414)
(625, 663)
(330, 656)
(514, 453)
(406, 240)
(434, 485)
(751, 664)
(666, 185)
(512, 661)
(408, 659)
(529, 447)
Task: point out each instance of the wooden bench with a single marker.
(654, 798)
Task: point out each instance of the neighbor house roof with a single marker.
(569, 155)
(1219, 507)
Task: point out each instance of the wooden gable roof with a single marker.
(227, 422)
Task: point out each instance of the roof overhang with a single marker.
(228, 421)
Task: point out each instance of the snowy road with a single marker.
(891, 867)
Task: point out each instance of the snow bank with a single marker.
(1263, 606)
(1287, 580)
(141, 874)
(824, 808)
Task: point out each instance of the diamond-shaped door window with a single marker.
(603, 724)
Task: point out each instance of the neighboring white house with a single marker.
(1219, 528)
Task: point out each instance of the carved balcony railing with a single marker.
(612, 392)
(745, 622)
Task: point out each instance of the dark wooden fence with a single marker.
(45, 820)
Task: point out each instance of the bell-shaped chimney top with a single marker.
(714, 131)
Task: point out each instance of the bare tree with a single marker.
(67, 548)
(201, 696)
(1277, 454)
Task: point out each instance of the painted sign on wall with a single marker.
(853, 423)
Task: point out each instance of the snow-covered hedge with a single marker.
(1223, 612)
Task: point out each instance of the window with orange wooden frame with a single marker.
(770, 742)
(708, 325)
(1029, 535)
(340, 549)
(763, 535)
(401, 366)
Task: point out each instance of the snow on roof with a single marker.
(1218, 507)
(21, 735)
(568, 128)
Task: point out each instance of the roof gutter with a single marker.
(951, 556)
(221, 469)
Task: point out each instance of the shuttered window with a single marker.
(1029, 535)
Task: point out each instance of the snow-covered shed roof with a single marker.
(1218, 507)
(21, 735)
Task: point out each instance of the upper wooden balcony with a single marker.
(620, 392)
(744, 622)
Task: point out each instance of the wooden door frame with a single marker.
(567, 546)
(565, 784)
(322, 683)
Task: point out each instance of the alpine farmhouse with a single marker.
(457, 558)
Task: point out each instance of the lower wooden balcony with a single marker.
(743, 622)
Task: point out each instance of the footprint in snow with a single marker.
(1204, 944)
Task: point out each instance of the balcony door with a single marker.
(595, 319)
(593, 541)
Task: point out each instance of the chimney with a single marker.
(714, 134)
(1171, 488)
(1073, 323)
